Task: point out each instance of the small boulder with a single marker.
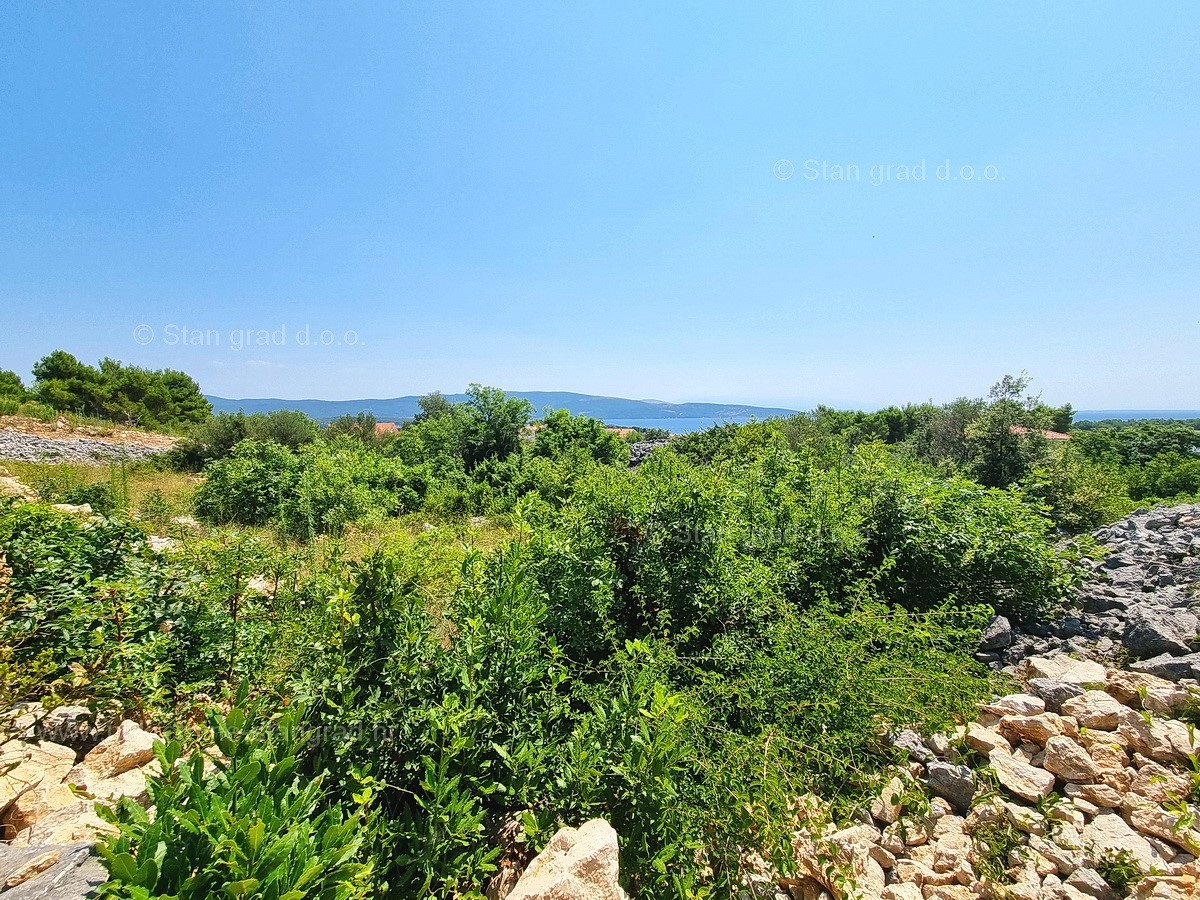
(1109, 832)
(953, 783)
(1064, 668)
(1069, 761)
(1170, 668)
(997, 635)
(1026, 781)
(1016, 705)
(1094, 709)
(578, 864)
(1055, 693)
(1150, 631)
(127, 748)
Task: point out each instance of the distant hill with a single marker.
(1098, 415)
(615, 410)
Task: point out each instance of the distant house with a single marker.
(1048, 435)
(382, 428)
(619, 430)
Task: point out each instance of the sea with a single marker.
(685, 426)
(679, 426)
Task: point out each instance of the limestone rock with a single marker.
(1109, 831)
(1089, 881)
(1061, 667)
(1150, 631)
(1037, 729)
(1016, 705)
(1026, 781)
(127, 748)
(67, 825)
(1159, 784)
(1054, 693)
(886, 807)
(26, 767)
(954, 783)
(1094, 709)
(578, 864)
(1140, 690)
(997, 634)
(1069, 761)
(1153, 821)
(985, 740)
(1169, 667)
(1100, 795)
(73, 873)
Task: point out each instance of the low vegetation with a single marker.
(473, 628)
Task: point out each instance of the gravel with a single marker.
(23, 447)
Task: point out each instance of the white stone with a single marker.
(578, 864)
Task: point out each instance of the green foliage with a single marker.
(152, 399)
(216, 437)
(493, 424)
(1121, 869)
(84, 605)
(994, 841)
(684, 648)
(1137, 443)
(453, 714)
(360, 426)
(340, 482)
(249, 486)
(560, 433)
(1079, 493)
(12, 387)
(251, 828)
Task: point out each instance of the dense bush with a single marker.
(318, 490)
(683, 648)
(12, 387)
(152, 399)
(216, 437)
(249, 486)
(91, 613)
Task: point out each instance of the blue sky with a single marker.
(615, 198)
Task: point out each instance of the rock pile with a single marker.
(640, 451)
(18, 445)
(47, 803)
(1085, 775)
(1139, 602)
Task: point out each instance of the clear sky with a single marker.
(635, 199)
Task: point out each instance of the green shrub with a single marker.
(85, 603)
(341, 481)
(455, 715)
(249, 486)
(1079, 494)
(252, 828)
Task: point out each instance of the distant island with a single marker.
(613, 410)
(678, 417)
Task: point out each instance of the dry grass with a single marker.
(138, 483)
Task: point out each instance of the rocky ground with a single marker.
(640, 451)
(26, 441)
(1138, 607)
(50, 769)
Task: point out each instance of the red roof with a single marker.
(386, 428)
(1048, 435)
